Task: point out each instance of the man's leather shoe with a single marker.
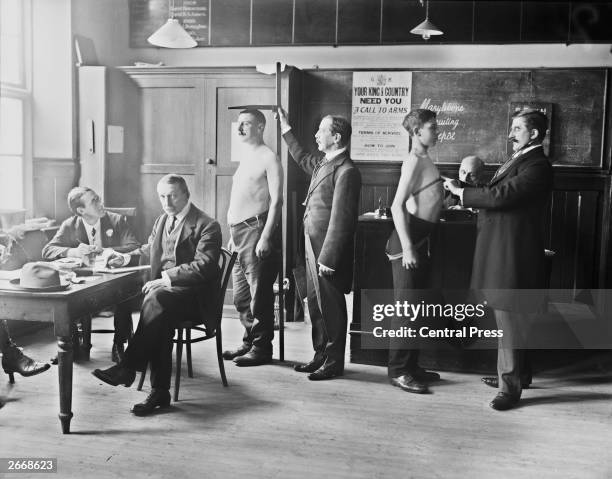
(117, 352)
(425, 376)
(310, 367)
(14, 361)
(116, 375)
(503, 402)
(493, 381)
(234, 353)
(157, 398)
(409, 384)
(253, 358)
(327, 371)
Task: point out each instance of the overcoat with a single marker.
(509, 253)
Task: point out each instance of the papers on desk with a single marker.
(124, 269)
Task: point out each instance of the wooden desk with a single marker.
(64, 309)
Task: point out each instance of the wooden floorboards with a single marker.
(271, 422)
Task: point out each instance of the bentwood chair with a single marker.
(86, 330)
(184, 328)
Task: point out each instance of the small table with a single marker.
(63, 309)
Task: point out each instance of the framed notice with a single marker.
(544, 107)
(381, 100)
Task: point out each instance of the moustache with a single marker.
(512, 140)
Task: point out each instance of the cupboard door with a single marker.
(173, 130)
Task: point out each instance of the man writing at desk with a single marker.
(84, 235)
(183, 249)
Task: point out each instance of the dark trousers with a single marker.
(123, 322)
(513, 365)
(151, 344)
(327, 308)
(406, 286)
(253, 283)
(5, 337)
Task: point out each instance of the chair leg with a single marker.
(188, 347)
(179, 357)
(220, 356)
(143, 374)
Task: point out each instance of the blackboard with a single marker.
(474, 106)
(374, 22)
(146, 16)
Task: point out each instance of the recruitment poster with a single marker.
(381, 100)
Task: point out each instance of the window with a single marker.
(14, 103)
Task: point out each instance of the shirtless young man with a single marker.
(253, 217)
(416, 210)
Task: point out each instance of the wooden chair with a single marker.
(184, 328)
(85, 327)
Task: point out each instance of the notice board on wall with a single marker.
(473, 106)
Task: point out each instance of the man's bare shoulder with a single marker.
(266, 154)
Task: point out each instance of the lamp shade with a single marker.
(426, 29)
(172, 35)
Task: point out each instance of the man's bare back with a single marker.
(250, 190)
(424, 202)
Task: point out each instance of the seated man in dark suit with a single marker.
(85, 235)
(13, 359)
(183, 249)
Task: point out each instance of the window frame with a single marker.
(23, 92)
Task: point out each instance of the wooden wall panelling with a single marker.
(272, 22)
(52, 180)
(578, 98)
(122, 185)
(172, 140)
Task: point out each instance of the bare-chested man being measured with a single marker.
(416, 210)
(253, 218)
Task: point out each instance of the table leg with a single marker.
(64, 355)
(86, 344)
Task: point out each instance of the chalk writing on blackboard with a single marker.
(146, 16)
(448, 114)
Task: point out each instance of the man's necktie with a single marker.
(503, 168)
(313, 179)
(93, 236)
(172, 224)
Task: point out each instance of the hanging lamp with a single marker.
(426, 29)
(171, 34)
